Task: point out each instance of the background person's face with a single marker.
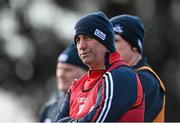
(66, 73)
(91, 51)
(123, 48)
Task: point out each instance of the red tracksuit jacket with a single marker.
(114, 94)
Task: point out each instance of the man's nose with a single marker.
(82, 44)
(60, 73)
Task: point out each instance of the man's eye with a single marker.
(77, 40)
(88, 37)
(117, 41)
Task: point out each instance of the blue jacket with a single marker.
(50, 109)
(154, 94)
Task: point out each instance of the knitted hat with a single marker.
(70, 56)
(131, 29)
(98, 26)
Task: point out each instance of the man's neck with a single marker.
(99, 65)
(96, 67)
(135, 59)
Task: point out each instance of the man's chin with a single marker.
(86, 61)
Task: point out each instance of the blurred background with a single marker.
(34, 32)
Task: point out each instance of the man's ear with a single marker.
(134, 49)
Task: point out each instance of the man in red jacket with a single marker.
(111, 90)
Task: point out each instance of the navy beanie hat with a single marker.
(70, 56)
(98, 26)
(131, 29)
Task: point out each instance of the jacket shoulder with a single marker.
(149, 81)
(124, 74)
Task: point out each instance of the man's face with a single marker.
(123, 48)
(91, 51)
(66, 73)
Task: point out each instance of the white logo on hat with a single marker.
(100, 34)
(63, 58)
(118, 28)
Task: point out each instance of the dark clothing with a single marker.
(50, 109)
(154, 94)
(110, 95)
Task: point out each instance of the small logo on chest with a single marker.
(82, 101)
